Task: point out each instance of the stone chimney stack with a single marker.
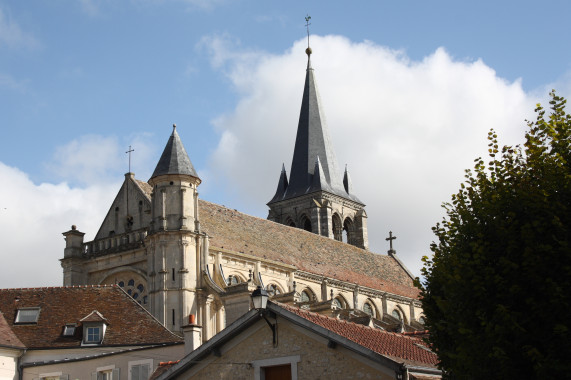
(192, 335)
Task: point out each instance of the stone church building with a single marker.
(179, 255)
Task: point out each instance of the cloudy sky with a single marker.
(410, 90)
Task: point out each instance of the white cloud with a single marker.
(93, 159)
(32, 218)
(407, 129)
(12, 35)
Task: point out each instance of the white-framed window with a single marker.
(93, 334)
(140, 369)
(283, 365)
(106, 373)
(27, 315)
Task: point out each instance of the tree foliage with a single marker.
(497, 291)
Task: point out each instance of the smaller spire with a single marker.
(282, 186)
(319, 182)
(347, 182)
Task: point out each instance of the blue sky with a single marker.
(409, 88)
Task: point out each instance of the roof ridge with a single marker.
(63, 287)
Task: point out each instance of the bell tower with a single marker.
(316, 198)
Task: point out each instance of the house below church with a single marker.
(80, 332)
(284, 342)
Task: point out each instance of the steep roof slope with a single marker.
(128, 322)
(233, 230)
(7, 337)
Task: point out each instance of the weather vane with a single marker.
(307, 24)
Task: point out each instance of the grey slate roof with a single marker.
(174, 159)
(312, 150)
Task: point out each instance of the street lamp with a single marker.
(260, 301)
(260, 298)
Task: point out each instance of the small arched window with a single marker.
(273, 290)
(397, 314)
(337, 303)
(233, 280)
(421, 320)
(305, 297)
(368, 308)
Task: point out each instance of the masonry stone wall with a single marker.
(317, 360)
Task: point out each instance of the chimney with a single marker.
(192, 335)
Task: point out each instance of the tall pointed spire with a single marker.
(313, 141)
(317, 198)
(174, 159)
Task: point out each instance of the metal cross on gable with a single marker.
(390, 239)
(129, 153)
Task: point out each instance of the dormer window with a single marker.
(93, 328)
(27, 315)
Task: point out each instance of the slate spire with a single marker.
(174, 159)
(313, 141)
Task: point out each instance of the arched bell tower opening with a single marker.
(337, 228)
(306, 223)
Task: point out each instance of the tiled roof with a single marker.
(233, 230)
(7, 336)
(236, 231)
(409, 349)
(128, 323)
(162, 368)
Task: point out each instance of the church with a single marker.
(186, 259)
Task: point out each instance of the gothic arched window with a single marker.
(273, 290)
(397, 314)
(338, 303)
(368, 308)
(233, 280)
(305, 297)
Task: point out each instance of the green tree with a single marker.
(497, 290)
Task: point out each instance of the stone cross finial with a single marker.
(129, 153)
(390, 239)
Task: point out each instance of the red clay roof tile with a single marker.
(128, 322)
(408, 348)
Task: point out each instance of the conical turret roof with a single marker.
(174, 159)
